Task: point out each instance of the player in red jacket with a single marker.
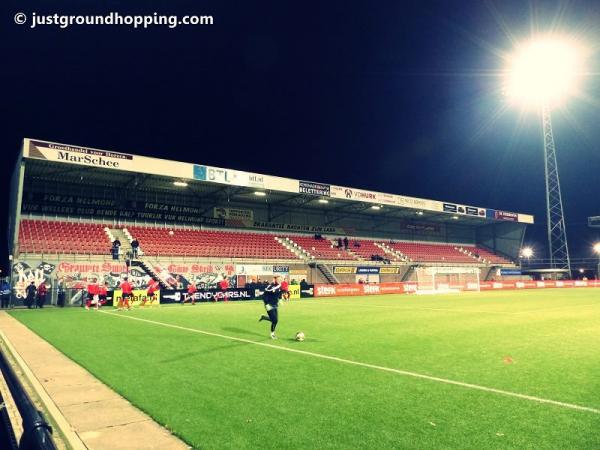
(153, 286)
(92, 294)
(102, 293)
(127, 289)
(285, 293)
(191, 294)
(223, 286)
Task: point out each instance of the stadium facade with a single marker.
(199, 223)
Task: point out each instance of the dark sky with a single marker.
(396, 96)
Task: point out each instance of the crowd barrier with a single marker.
(37, 433)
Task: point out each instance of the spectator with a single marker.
(135, 246)
(356, 244)
(115, 252)
(346, 242)
(303, 284)
(5, 293)
(30, 295)
(116, 243)
(339, 242)
(41, 294)
(60, 299)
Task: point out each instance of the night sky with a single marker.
(394, 96)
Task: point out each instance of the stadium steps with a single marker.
(147, 268)
(289, 244)
(397, 255)
(327, 273)
(118, 233)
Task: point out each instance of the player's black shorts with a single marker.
(126, 296)
(102, 298)
(151, 294)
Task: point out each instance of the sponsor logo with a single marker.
(519, 285)
(219, 295)
(505, 215)
(367, 270)
(371, 289)
(388, 270)
(449, 207)
(348, 193)
(281, 269)
(410, 288)
(256, 180)
(326, 290)
(339, 269)
(199, 172)
(497, 285)
(96, 161)
(308, 187)
(472, 211)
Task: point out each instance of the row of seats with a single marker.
(418, 251)
(62, 237)
(367, 249)
(37, 236)
(321, 248)
(217, 244)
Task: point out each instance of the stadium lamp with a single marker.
(419, 213)
(455, 217)
(544, 72)
(180, 183)
(597, 248)
(527, 252)
(541, 75)
(376, 207)
(323, 200)
(260, 193)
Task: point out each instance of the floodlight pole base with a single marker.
(557, 233)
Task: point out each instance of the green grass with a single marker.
(219, 393)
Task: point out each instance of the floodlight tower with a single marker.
(543, 73)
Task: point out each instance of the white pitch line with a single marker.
(370, 366)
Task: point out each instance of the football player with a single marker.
(271, 300)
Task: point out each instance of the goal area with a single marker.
(447, 279)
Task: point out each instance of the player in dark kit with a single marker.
(271, 299)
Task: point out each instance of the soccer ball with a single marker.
(300, 336)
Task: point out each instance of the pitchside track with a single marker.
(482, 370)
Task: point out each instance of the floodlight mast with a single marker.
(557, 233)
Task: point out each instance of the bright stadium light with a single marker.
(419, 213)
(323, 200)
(377, 207)
(180, 183)
(597, 248)
(544, 72)
(541, 75)
(527, 252)
(260, 193)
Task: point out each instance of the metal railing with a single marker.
(37, 433)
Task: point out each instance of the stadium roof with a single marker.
(54, 161)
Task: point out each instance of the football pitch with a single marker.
(518, 369)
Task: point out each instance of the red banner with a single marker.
(346, 290)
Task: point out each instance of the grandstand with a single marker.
(68, 204)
